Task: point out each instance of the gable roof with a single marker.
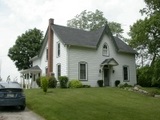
(109, 61)
(77, 37)
(123, 47)
(91, 39)
(34, 69)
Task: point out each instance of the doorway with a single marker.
(106, 75)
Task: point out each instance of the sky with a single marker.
(17, 16)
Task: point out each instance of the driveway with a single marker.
(11, 113)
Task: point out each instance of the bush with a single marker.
(144, 76)
(86, 86)
(100, 83)
(124, 85)
(44, 83)
(156, 73)
(117, 82)
(75, 84)
(154, 92)
(63, 81)
(52, 82)
(127, 85)
(38, 81)
(120, 86)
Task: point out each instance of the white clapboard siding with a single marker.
(94, 58)
(62, 59)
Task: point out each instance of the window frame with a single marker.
(126, 73)
(105, 51)
(46, 54)
(59, 71)
(46, 70)
(58, 49)
(86, 71)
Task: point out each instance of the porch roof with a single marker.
(109, 61)
(34, 69)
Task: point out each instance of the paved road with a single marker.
(11, 113)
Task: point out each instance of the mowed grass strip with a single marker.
(93, 104)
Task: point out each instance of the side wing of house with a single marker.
(104, 63)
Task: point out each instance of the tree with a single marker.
(26, 46)
(145, 34)
(90, 21)
(153, 7)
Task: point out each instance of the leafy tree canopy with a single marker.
(145, 37)
(26, 46)
(145, 34)
(152, 7)
(88, 20)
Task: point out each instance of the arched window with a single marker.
(105, 50)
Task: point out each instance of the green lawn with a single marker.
(93, 104)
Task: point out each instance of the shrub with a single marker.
(124, 85)
(75, 84)
(63, 81)
(86, 86)
(44, 83)
(52, 82)
(156, 75)
(38, 81)
(127, 85)
(117, 82)
(100, 83)
(144, 76)
(120, 86)
(154, 92)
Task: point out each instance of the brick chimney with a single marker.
(50, 47)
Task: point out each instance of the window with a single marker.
(82, 71)
(58, 49)
(46, 54)
(105, 51)
(58, 70)
(125, 73)
(46, 70)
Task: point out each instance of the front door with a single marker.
(106, 75)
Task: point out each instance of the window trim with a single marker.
(86, 70)
(105, 52)
(58, 49)
(128, 73)
(46, 54)
(46, 70)
(58, 70)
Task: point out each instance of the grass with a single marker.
(93, 104)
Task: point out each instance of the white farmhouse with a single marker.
(87, 56)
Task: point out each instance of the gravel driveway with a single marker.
(11, 113)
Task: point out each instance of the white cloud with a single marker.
(17, 16)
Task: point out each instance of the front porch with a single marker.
(29, 76)
(106, 68)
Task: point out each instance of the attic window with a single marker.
(105, 51)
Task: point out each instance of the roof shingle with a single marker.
(77, 37)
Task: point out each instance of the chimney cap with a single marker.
(51, 21)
